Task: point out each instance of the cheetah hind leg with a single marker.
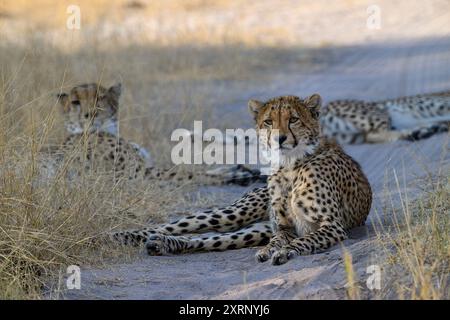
(256, 234)
(250, 208)
(427, 131)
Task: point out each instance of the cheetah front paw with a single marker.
(282, 256)
(264, 254)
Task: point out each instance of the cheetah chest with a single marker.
(285, 192)
(280, 186)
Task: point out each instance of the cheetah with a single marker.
(92, 142)
(408, 118)
(312, 198)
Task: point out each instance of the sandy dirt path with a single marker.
(374, 70)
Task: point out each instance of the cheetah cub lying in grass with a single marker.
(92, 143)
(314, 197)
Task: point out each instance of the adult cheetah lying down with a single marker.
(312, 199)
(407, 118)
(92, 142)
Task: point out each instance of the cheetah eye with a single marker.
(76, 102)
(268, 122)
(293, 120)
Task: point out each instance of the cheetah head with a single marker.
(288, 126)
(90, 107)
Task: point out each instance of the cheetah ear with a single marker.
(314, 102)
(254, 106)
(116, 90)
(63, 99)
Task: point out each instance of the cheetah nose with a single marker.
(281, 139)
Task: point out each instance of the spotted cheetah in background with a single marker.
(312, 199)
(92, 142)
(408, 118)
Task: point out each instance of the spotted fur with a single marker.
(310, 202)
(410, 118)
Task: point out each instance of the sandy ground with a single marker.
(409, 55)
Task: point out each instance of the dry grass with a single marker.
(353, 292)
(412, 249)
(416, 250)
